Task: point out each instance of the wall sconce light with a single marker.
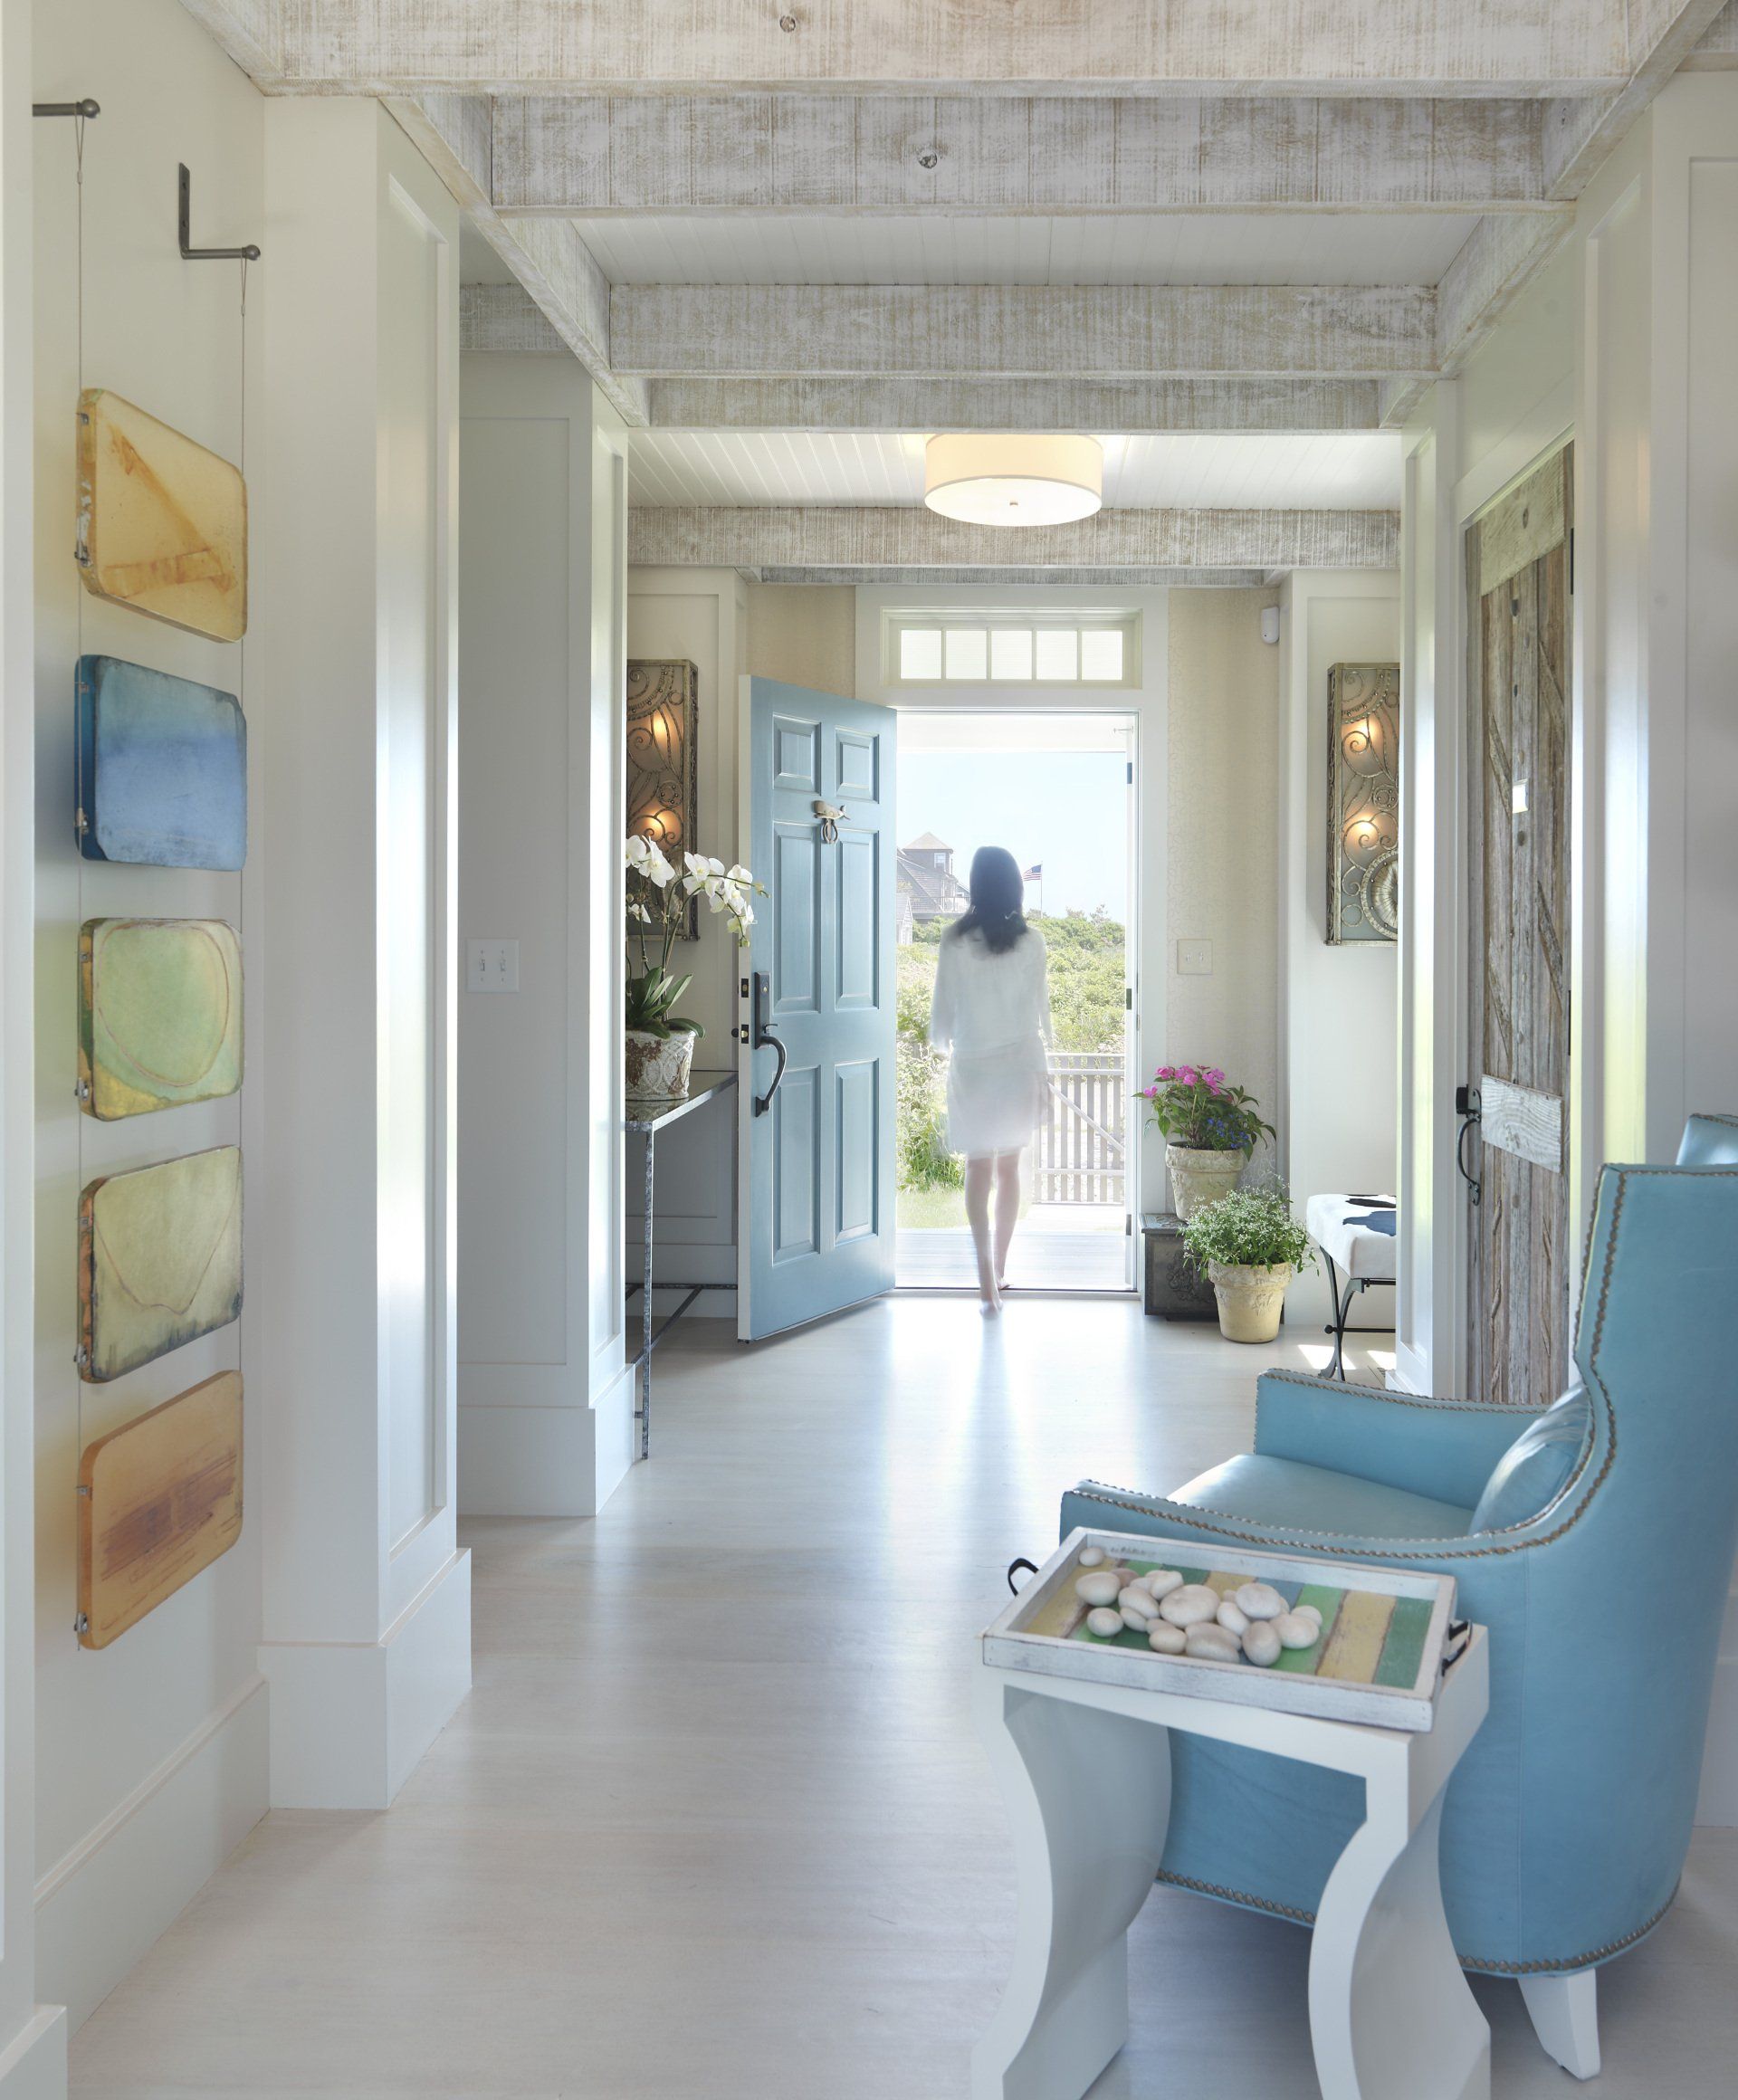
(1364, 802)
(663, 773)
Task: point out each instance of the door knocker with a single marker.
(829, 814)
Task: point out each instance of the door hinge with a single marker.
(1128, 1225)
(1127, 998)
(1131, 772)
(1571, 562)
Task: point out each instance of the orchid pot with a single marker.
(660, 1042)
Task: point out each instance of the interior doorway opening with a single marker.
(1056, 789)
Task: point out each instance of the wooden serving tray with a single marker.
(158, 1499)
(1379, 1661)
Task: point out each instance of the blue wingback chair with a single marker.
(1566, 1827)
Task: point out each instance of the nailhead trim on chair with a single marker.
(1476, 1962)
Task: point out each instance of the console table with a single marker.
(648, 1120)
(1084, 1766)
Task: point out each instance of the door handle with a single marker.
(1466, 1108)
(767, 1037)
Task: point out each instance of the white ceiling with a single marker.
(1343, 470)
(1213, 248)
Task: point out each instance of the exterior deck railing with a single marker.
(1080, 1154)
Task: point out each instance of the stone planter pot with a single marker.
(658, 1068)
(1198, 1177)
(1251, 1299)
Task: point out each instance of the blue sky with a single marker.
(1068, 809)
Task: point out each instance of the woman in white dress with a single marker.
(991, 1009)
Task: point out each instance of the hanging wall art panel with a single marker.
(160, 1260)
(159, 1013)
(1364, 802)
(662, 761)
(158, 1499)
(162, 769)
(162, 522)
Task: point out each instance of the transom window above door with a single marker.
(1012, 649)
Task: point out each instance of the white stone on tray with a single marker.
(1231, 1618)
(1261, 1643)
(1105, 1622)
(1212, 1644)
(1136, 1621)
(1192, 1604)
(1135, 1598)
(1167, 1640)
(1260, 1600)
(1162, 1581)
(1308, 1611)
(1297, 1629)
(1101, 1587)
(1090, 1556)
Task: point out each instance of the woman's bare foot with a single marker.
(990, 1297)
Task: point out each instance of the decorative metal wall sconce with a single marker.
(1364, 802)
(662, 760)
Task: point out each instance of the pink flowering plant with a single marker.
(1196, 1106)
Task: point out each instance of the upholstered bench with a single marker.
(1356, 1234)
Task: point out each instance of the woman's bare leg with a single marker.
(1007, 1209)
(979, 1171)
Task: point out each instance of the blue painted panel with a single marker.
(162, 769)
(859, 764)
(797, 920)
(797, 1166)
(859, 1151)
(855, 860)
(796, 757)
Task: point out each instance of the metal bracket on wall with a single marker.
(84, 107)
(189, 254)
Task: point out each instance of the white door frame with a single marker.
(1146, 701)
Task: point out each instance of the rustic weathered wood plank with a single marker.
(158, 1499)
(889, 536)
(1521, 1121)
(1526, 524)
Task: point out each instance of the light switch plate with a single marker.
(1194, 958)
(492, 965)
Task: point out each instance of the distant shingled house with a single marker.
(927, 887)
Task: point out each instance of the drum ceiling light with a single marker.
(1000, 479)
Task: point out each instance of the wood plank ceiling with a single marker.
(791, 240)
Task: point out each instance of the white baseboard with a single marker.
(1717, 1802)
(32, 2065)
(525, 1460)
(100, 1908)
(1412, 1373)
(350, 1721)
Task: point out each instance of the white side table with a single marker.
(1085, 1769)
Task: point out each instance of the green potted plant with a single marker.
(1251, 1246)
(1210, 1128)
(660, 1041)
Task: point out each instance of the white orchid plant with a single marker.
(658, 897)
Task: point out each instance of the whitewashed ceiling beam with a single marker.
(998, 331)
(1526, 47)
(1580, 130)
(1132, 407)
(591, 156)
(1008, 574)
(550, 262)
(838, 537)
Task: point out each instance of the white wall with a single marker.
(366, 1597)
(32, 2037)
(702, 615)
(1339, 1005)
(1221, 838)
(152, 1752)
(545, 1406)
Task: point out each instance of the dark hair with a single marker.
(997, 892)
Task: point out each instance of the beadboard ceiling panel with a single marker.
(1218, 248)
(1341, 471)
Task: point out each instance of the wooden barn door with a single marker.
(1519, 580)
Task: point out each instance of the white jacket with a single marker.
(984, 1003)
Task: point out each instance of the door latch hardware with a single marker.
(829, 814)
(1466, 1108)
(765, 1036)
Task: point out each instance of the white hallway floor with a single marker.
(714, 1825)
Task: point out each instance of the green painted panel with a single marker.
(160, 1259)
(1403, 1651)
(159, 1013)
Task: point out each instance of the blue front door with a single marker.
(821, 988)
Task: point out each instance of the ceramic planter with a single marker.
(1251, 1298)
(658, 1068)
(1198, 1177)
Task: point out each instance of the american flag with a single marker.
(1034, 874)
